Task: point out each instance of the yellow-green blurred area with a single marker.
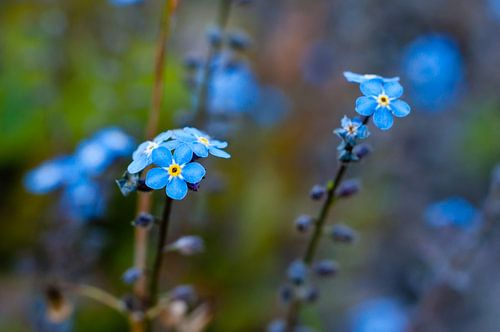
(70, 68)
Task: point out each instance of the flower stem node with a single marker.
(297, 272)
(342, 233)
(325, 268)
(348, 188)
(317, 192)
(303, 223)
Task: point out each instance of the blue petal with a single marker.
(162, 157)
(199, 149)
(183, 154)
(157, 178)
(141, 162)
(172, 145)
(400, 108)
(162, 137)
(393, 90)
(184, 136)
(218, 144)
(372, 87)
(353, 77)
(219, 153)
(365, 105)
(140, 150)
(176, 189)
(194, 132)
(383, 118)
(193, 172)
(344, 122)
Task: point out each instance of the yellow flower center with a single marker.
(383, 100)
(203, 141)
(174, 170)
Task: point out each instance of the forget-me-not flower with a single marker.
(360, 78)
(381, 99)
(50, 175)
(351, 130)
(143, 155)
(116, 141)
(200, 143)
(454, 211)
(174, 172)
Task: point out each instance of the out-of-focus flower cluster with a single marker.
(77, 174)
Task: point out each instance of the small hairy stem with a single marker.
(295, 306)
(163, 233)
(99, 295)
(202, 92)
(144, 199)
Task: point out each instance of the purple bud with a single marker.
(185, 293)
(214, 35)
(141, 186)
(238, 41)
(303, 223)
(131, 275)
(325, 268)
(286, 293)
(317, 192)
(188, 245)
(297, 272)
(194, 186)
(192, 62)
(348, 188)
(144, 220)
(362, 150)
(342, 233)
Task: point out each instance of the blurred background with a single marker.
(70, 68)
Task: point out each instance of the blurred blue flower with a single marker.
(83, 200)
(359, 78)
(131, 275)
(92, 156)
(434, 68)
(50, 175)
(382, 101)
(142, 156)
(494, 8)
(379, 315)
(454, 211)
(233, 89)
(200, 143)
(351, 130)
(116, 141)
(174, 172)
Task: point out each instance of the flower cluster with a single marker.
(174, 153)
(76, 174)
(350, 132)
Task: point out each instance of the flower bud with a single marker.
(128, 183)
(286, 293)
(297, 272)
(131, 275)
(311, 294)
(325, 268)
(188, 245)
(317, 192)
(144, 220)
(348, 188)
(214, 36)
(342, 233)
(303, 223)
(238, 41)
(362, 150)
(192, 62)
(185, 293)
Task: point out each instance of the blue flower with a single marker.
(121, 3)
(174, 172)
(351, 130)
(454, 211)
(142, 156)
(358, 78)
(382, 101)
(434, 69)
(83, 200)
(116, 141)
(200, 143)
(379, 315)
(50, 175)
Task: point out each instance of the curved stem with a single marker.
(99, 295)
(163, 233)
(144, 199)
(202, 92)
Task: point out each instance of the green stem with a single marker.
(163, 233)
(202, 92)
